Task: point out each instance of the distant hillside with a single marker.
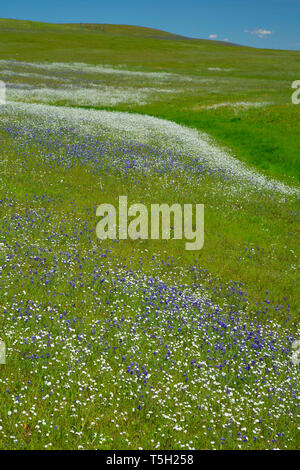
(128, 30)
(137, 31)
(134, 46)
(107, 29)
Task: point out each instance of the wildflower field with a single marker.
(141, 344)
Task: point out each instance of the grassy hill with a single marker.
(101, 28)
(226, 74)
(129, 30)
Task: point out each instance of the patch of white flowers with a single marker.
(238, 105)
(150, 130)
(102, 96)
(218, 69)
(81, 67)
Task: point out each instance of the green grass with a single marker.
(64, 386)
(264, 137)
(248, 240)
(268, 138)
(259, 223)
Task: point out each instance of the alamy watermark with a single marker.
(296, 94)
(174, 222)
(2, 92)
(2, 352)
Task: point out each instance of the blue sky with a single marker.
(259, 23)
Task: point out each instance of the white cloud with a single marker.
(212, 36)
(260, 32)
(226, 39)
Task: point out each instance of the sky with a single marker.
(271, 24)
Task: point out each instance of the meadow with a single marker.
(140, 344)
